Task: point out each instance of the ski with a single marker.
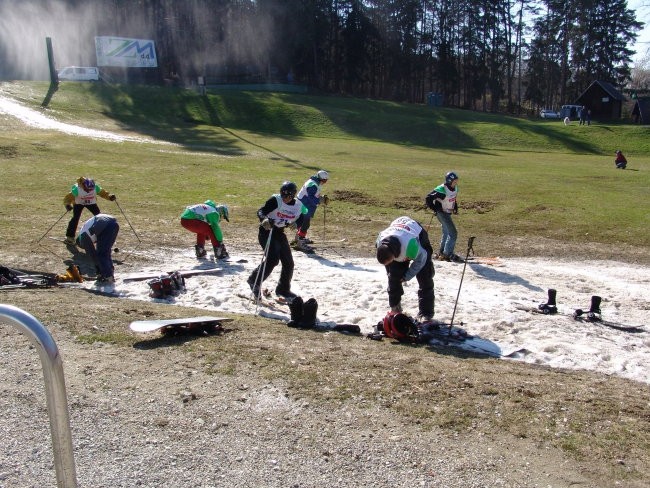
(263, 301)
(488, 260)
(184, 273)
(62, 240)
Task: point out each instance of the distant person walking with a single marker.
(583, 115)
(83, 195)
(442, 200)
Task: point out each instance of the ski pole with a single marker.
(127, 221)
(324, 212)
(261, 269)
(470, 242)
(430, 221)
(48, 230)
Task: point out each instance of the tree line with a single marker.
(492, 55)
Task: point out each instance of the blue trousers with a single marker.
(449, 233)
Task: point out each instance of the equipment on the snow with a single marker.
(185, 273)
(193, 325)
(400, 326)
(470, 243)
(550, 307)
(166, 285)
(593, 315)
(288, 188)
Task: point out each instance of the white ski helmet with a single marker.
(323, 175)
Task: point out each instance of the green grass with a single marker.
(521, 181)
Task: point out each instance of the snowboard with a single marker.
(436, 333)
(200, 325)
(147, 275)
(584, 318)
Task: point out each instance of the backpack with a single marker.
(400, 326)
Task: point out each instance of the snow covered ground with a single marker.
(353, 290)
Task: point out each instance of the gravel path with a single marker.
(159, 417)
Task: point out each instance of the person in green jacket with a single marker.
(203, 219)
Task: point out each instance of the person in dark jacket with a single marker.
(620, 161)
(280, 211)
(97, 236)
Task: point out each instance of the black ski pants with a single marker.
(76, 215)
(279, 252)
(397, 270)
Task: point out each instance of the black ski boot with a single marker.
(549, 308)
(296, 309)
(309, 311)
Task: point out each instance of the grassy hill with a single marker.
(527, 186)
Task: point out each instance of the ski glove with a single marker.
(326, 200)
(293, 226)
(112, 197)
(267, 224)
(68, 208)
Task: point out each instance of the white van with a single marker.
(79, 73)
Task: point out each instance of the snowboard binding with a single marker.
(550, 307)
(593, 315)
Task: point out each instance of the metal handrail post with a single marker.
(57, 403)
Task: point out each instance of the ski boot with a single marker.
(220, 252)
(200, 251)
(296, 310)
(549, 308)
(593, 315)
(309, 311)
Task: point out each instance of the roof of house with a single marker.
(642, 108)
(607, 88)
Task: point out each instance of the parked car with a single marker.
(549, 114)
(79, 73)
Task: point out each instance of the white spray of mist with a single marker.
(198, 34)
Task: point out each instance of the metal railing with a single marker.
(57, 403)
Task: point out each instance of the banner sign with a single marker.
(127, 53)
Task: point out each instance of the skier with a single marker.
(83, 195)
(620, 161)
(97, 236)
(310, 196)
(203, 219)
(404, 249)
(442, 200)
(280, 211)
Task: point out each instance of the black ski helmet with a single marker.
(288, 188)
(451, 176)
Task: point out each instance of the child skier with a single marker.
(310, 196)
(442, 200)
(404, 249)
(280, 211)
(82, 195)
(203, 219)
